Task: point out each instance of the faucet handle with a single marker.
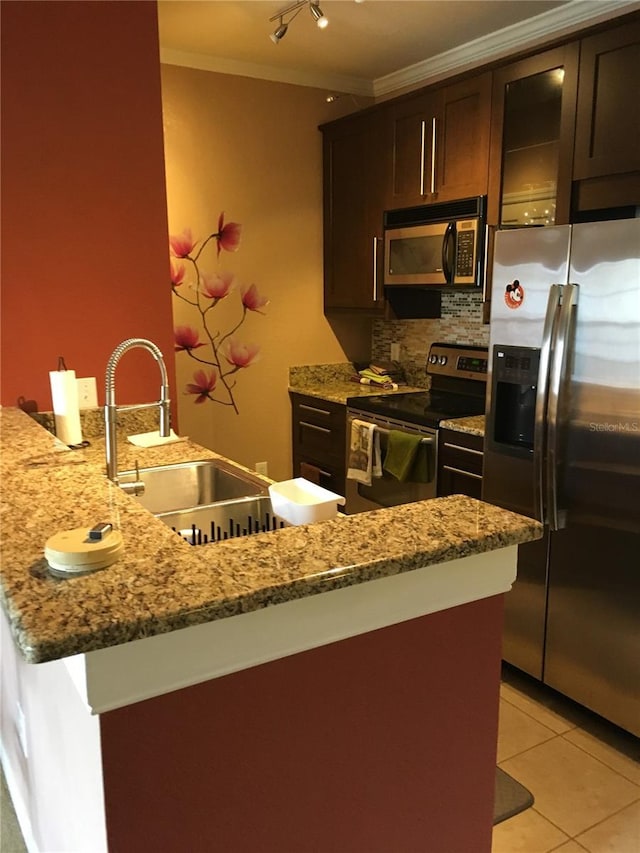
(135, 487)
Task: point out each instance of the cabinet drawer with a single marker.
(455, 481)
(318, 431)
(329, 476)
(317, 442)
(321, 413)
(460, 458)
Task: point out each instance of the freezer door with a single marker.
(592, 651)
(601, 479)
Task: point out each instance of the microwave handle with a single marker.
(448, 240)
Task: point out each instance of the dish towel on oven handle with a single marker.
(364, 462)
(402, 448)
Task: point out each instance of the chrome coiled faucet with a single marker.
(111, 409)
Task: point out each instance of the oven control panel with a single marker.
(459, 361)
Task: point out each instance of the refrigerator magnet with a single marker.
(514, 294)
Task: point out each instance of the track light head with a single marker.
(318, 15)
(279, 32)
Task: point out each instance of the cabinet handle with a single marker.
(464, 449)
(460, 471)
(423, 141)
(433, 154)
(485, 265)
(314, 409)
(375, 268)
(313, 426)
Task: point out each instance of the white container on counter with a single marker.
(299, 501)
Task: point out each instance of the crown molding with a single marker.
(554, 23)
(332, 82)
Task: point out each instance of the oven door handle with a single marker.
(424, 440)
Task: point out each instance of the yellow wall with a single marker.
(252, 148)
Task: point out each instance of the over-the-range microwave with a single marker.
(438, 245)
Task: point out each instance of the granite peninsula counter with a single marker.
(211, 698)
(161, 584)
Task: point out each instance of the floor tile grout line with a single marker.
(568, 834)
(528, 749)
(566, 734)
(549, 820)
(537, 810)
(531, 717)
(560, 846)
(604, 819)
(555, 825)
(604, 763)
(563, 735)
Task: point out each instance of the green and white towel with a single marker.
(364, 461)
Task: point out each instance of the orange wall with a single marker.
(84, 222)
(252, 149)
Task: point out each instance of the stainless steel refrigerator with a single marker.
(562, 445)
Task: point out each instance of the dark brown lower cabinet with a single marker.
(318, 439)
(460, 457)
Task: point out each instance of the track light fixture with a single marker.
(316, 13)
(279, 32)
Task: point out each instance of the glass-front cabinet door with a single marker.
(530, 149)
(532, 140)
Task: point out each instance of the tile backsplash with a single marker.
(461, 323)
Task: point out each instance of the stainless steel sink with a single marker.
(227, 520)
(192, 484)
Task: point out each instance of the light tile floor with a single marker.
(583, 773)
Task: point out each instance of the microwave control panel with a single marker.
(465, 251)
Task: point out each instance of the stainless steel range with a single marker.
(458, 384)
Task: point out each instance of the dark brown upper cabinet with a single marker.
(354, 194)
(532, 127)
(440, 143)
(607, 143)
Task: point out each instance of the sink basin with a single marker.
(227, 520)
(192, 484)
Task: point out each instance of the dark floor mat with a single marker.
(511, 797)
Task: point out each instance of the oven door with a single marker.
(386, 490)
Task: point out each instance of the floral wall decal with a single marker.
(222, 354)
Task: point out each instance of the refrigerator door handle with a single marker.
(557, 382)
(539, 432)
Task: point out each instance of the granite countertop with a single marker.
(162, 584)
(472, 425)
(333, 382)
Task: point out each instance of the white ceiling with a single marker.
(371, 47)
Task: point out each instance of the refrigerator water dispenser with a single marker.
(513, 392)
